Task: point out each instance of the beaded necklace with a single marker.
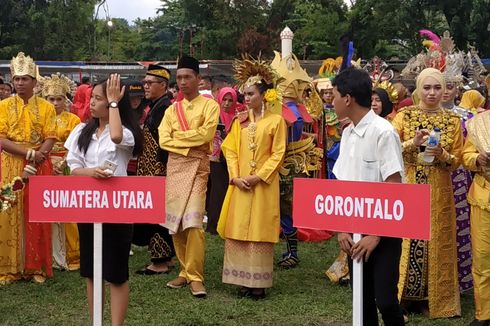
(252, 145)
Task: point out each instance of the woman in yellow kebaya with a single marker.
(56, 88)
(429, 269)
(254, 150)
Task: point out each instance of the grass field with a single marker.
(301, 296)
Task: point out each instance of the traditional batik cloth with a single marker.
(153, 162)
(429, 269)
(461, 179)
(250, 220)
(65, 242)
(479, 198)
(25, 248)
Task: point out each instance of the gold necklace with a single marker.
(252, 145)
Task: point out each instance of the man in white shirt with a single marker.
(370, 150)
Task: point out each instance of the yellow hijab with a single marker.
(427, 72)
(472, 100)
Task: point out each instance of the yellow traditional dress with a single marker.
(66, 247)
(250, 220)
(187, 177)
(429, 269)
(478, 140)
(25, 248)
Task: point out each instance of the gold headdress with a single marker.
(389, 89)
(23, 65)
(56, 85)
(250, 71)
(294, 79)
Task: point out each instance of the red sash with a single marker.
(180, 115)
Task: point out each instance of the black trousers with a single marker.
(217, 187)
(380, 284)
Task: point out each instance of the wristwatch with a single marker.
(113, 105)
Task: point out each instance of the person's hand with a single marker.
(420, 137)
(39, 157)
(364, 247)
(99, 173)
(241, 183)
(482, 159)
(252, 180)
(114, 90)
(435, 151)
(345, 242)
(25, 176)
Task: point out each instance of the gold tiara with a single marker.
(23, 65)
(56, 85)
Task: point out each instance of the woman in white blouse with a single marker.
(111, 135)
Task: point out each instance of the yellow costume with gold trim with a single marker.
(66, 246)
(478, 140)
(428, 269)
(187, 177)
(27, 125)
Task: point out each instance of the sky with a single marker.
(131, 9)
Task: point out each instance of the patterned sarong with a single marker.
(185, 192)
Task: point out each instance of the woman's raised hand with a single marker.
(114, 90)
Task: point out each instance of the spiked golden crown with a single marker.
(23, 65)
(56, 85)
(250, 71)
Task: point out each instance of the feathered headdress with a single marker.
(56, 84)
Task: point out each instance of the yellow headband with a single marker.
(159, 73)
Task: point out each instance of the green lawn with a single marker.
(301, 296)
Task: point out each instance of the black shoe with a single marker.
(257, 294)
(147, 271)
(477, 322)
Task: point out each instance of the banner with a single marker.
(375, 208)
(90, 200)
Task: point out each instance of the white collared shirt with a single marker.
(369, 151)
(100, 150)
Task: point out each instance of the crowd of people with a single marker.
(230, 152)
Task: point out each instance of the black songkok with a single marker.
(188, 62)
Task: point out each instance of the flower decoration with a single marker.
(8, 193)
(272, 95)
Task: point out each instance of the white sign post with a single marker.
(357, 284)
(98, 281)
